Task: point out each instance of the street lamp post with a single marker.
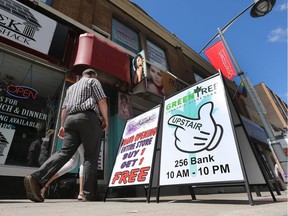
(259, 8)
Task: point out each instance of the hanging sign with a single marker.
(135, 154)
(198, 142)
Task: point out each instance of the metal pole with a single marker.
(253, 95)
(250, 90)
(227, 25)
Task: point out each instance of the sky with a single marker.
(258, 44)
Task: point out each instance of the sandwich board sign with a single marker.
(198, 143)
(203, 141)
(134, 159)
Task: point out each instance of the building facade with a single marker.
(276, 108)
(276, 112)
(107, 35)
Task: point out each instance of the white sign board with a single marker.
(198, 140)
(26, 26)
(135, 154)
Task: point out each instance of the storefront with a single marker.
(34, 51)
(35, 71)
(29, 103)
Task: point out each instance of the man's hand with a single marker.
(61, 133)
(104, 112)
(104, 125)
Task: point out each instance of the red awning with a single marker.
(104, 56)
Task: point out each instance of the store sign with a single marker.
(23, 92)
(156, 56)
(125, 36)
(12, 112)
(172, 84)
(198, 142)
(25, 26)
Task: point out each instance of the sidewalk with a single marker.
(205, 205)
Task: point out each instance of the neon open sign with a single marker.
(23, 92)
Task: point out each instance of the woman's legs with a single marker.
(81, 154)
(43, 190)
(80, 195)
(70, 165)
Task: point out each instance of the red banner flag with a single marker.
(220, 59)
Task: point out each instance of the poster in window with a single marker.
(124, 106)
(156, 56)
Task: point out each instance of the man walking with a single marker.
(84, 118)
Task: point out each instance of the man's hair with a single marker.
(89, 72)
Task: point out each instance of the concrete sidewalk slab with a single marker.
(205, 205)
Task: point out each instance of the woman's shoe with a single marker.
(80, 197)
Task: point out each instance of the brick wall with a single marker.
(273, 115)
(79, 10)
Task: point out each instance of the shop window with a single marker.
(48, 2)
(156, 56)
(197, 77)
(125, 37)
(29, 101)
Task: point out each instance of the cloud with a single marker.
(283, 6)
(278, 35)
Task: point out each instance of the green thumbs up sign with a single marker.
(197, 134)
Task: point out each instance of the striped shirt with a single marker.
(84, 95)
